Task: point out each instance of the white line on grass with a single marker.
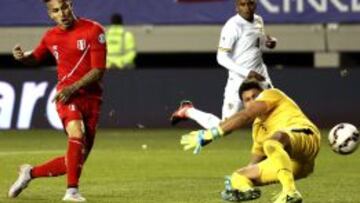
(31, 152)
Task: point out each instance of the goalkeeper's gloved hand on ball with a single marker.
(197, 139)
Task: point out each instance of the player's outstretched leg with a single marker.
(180, 113)
(187, 111)
(73, 195)
(22, 181)
(235, 195)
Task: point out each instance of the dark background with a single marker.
(146, 98)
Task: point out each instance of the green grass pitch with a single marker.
(120, 170)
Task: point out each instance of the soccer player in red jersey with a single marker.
(79, 48)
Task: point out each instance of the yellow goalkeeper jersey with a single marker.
(283, 114)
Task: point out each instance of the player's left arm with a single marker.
(94, 75)
(270, 42)
(98, 62)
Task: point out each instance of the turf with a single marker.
(120, 170)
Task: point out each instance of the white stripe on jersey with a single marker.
(77, 65)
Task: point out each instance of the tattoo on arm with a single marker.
(94, 75)
(64, 94)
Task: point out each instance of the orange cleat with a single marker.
(180, 113)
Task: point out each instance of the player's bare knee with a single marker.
(242, 171)
(75, 129)
(251, 171)
(76, 135)
(269, 147)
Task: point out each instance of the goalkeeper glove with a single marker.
(200, 138)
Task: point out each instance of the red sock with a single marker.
(75, 160)
(55, 167)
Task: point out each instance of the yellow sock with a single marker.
(286, 179)
(240, 182)
(280, 160)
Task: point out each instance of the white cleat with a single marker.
(22, 182)
(73, 195)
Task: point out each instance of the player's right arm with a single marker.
(26, 58)
(31, 57)
(228, 38)
(197, 139)
(223, 57)
(264, 103)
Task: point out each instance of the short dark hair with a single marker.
(116, 19)
(249, 84)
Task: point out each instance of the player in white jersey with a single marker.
(241, 41)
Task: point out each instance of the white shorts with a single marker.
(232, 102)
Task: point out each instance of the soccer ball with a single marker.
(344, 138)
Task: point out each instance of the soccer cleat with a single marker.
(180, 113)
(238, 196)
(73, 195)
(294, 197)
(233, 195)
(22, 182)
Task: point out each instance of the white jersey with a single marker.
(244, 40)
(239, 52)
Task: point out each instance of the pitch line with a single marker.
(32, 152)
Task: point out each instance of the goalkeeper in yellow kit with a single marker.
(285, 144)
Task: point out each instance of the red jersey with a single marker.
(77, 50)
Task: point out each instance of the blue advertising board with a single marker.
(33, 12)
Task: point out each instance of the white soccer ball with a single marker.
(344, 138)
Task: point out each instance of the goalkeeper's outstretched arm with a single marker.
(244, 117)
(197, 139)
